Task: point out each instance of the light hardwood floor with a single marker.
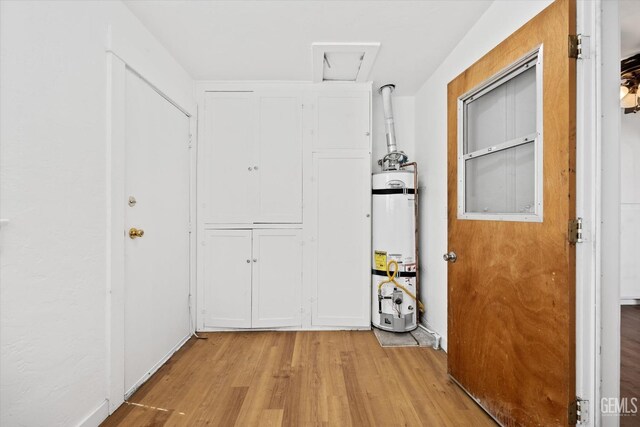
(338, 378)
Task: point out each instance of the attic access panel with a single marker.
(343, 62)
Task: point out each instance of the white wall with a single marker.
(498, 22)
(53, 286)
(630, 207)
(404, 116)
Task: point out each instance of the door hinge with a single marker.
(579, 46)
(190, 139)
(579, 411)
(575, 231)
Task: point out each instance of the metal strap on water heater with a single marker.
(398, 274)
(386, 191)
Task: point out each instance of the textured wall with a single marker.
(53, 189)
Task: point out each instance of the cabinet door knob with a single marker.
(250, 168)
(248, 261)
(255, 168)
(255, 260)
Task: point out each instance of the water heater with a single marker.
(394, 273)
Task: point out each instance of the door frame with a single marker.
(597, 183)
(115, 224)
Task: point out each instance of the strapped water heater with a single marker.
(394, 278)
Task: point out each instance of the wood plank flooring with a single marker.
(337, 378)
(630, 358)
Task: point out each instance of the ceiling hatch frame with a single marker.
(360, 68)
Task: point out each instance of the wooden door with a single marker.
(511, 291)
(227, 279)
(229, 157)
(156, 293)
(277, 278)
(341, 237)
(278, 167)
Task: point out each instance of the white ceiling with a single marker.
(629, 27)
(271, 40)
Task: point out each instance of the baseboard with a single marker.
(288, 329)
(442, 338)
(97, 416)
(630, 301)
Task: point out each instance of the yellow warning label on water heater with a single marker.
(380, 258)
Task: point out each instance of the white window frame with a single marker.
(523, 64)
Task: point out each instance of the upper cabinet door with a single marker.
(277, 278)
(228, 150)
(342, 120)
(279, 166)
(341, 236)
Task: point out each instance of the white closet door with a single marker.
(279, 162)
(228, 149)
(157, 264)
(342, 121)
(277, 278)
(341, 231)
(227, 279)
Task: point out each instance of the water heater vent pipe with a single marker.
(394, 158)
(389, 127)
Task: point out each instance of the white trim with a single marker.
(608, 201)
(202, 86)
(286, 329)
(587, 195)
(630, 301)
(319, 50)
(95, 418)
(155, 368)
(254, 226)
(534, 57)
(115, 227)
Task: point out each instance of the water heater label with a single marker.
(380, 258)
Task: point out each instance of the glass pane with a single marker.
(505, 113)
(502, 182)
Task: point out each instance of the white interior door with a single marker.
(156, 264)
(227, 279)
(279, 164)
(277, 278)
(229, 157)
(342, 239)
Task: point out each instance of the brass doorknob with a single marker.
(135, 232)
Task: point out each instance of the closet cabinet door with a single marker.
(277, 278)
(229, 146)
(342, 121)
(279, 164)
(341, 232)
(227, 279)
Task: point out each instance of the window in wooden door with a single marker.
(500, 145)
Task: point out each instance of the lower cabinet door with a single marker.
(277, 278)
(227, 279)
